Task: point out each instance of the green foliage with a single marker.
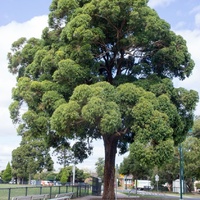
(64, 176)
(62, 80)
(30, 157)
(191, 153)
(45, 175)
(170, 170)
(132, 166)
(7, 173)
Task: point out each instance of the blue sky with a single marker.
(179, 12)
(22, 10)
(26, 18)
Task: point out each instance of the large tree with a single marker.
(123, 43)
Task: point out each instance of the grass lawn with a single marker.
(12, 190)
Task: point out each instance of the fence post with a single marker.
(50, 191)
(26, 189)
(59, 189)
(77, 188)
(67, 188)
(9, 191)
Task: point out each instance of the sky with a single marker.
(23, 18)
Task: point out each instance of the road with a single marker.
(161, 194)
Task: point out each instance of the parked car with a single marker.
(12, 182)
(46, 183)
(57, 183)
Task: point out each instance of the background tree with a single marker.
(64, 156)
(191, 153)
(91, 41)
(7, 173)
(46, 175)
(31, 157)
(99, 166)
(170, 170)
(196, 127)
(130, 166)
(51, 176)
(66, 174)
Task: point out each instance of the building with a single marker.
(125, 181)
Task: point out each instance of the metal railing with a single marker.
(79, 190)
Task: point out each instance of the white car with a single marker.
(46, 183)
(12, 182)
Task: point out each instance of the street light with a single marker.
(73, 171)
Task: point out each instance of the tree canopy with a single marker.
(103, 69)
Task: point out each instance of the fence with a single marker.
(79, 191)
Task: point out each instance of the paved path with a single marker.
(119, 195)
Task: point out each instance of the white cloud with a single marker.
(195, 10)
(180, 25)
(197, 20)
(6, 150)
(161, 3)
(10, 33)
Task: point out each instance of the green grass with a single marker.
(22, 190)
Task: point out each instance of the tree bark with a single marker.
(110, 146)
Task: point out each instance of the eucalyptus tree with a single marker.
(103, 70)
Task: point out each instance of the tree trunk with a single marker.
(110, 146)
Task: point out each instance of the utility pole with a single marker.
(116, 181)
(74, 168)
(181, 171)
